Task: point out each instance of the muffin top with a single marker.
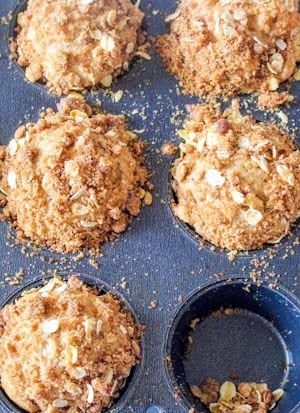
(74, 179)
(222, 47)
(237, 181)
(64, 347)
(76, 44)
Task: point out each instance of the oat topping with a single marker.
(237, 181)
(46, 361)
(74, 45)
(74, 180)
(245, 398)
(228, 47)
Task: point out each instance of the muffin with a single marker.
(227, 47)
(66, 348)
(77, 44)
(74, 179)
(237, 181)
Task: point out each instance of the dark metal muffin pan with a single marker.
(156, 258)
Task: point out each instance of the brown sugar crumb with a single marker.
(207, 392)
(245, 398)
(272, 100)
(73, 180)
(228, 47)
(52, 340)
(237, 181)
(168, 149)
(75, 45)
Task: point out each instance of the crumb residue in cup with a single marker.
(244, 398)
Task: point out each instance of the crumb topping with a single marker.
(227, 47)
(237, 181)
(64, 346)
(75, 179)
(77, 44)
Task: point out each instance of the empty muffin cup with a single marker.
(112, 312)
(236, 331)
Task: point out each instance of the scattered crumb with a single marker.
(272, 100)
(169, 149)
(153, 304)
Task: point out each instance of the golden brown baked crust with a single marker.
(74, 179)
(237, 182)
(65, 348)
(223, 47)
(76, 44)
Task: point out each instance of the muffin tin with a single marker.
(157, 265)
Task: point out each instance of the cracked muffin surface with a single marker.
(74, 179)
(237, 181)
(222, 47)
(66, 348)
(77, 44)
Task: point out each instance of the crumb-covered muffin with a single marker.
(74, 179)
(223, 47)
(237, 181)
(77, 44)
(66, 348)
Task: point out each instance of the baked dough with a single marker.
(77, 44)
(223, 47)
(65, 348)
(237, 181)
(74, 179)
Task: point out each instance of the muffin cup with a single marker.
(256, 340)
(135, 376)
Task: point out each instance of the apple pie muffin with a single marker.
(237, 181)
(77, 44)
(74, 179)
(66, 348)
(224, 47)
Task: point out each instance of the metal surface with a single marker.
(156, 257)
